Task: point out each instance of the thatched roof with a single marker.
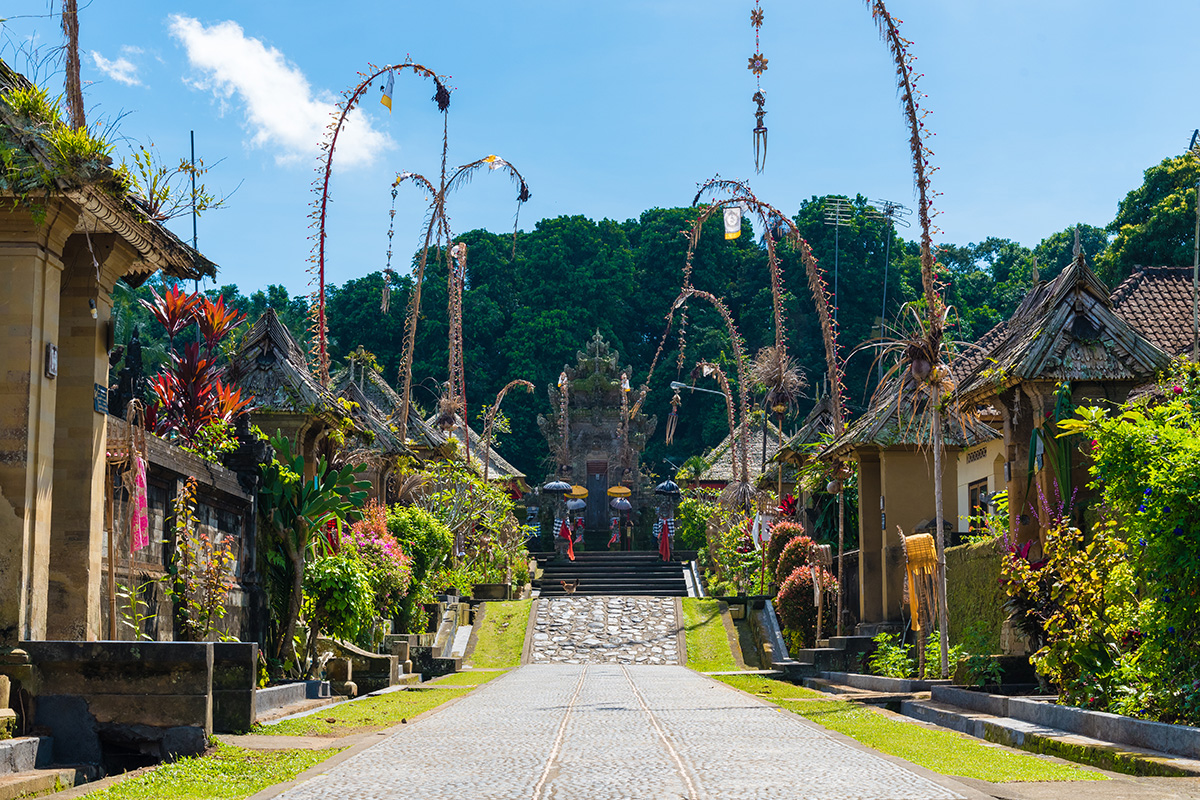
(898, 418)
(106, 203)
(385, 406)
(720, 458)
(818, 425)
(270, 365)
(1064, 330)
(498, 468)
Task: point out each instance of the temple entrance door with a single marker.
(596, 518)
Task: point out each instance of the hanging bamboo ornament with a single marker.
(758, 65)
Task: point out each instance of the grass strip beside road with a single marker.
(944, 752)
(769, 689)
(707, 642)
(360, 716)
(472, 677)
(502, 634)
(225, 773)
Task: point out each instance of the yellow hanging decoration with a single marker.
(921, 561)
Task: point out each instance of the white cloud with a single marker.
(121, 70)
(282, 109)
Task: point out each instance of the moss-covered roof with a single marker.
(36, 167)
(498, 468)
(898, 416)
(387, 405)
(817, 426)
(1064, 330)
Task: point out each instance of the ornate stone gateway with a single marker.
(593, 438)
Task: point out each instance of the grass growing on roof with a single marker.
(226, 773)
(472, 677)
(944, 752)
(769, 689)
(502, 634)
(707, 643)
(371, 713)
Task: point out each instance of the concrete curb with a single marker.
(527, 645)
(1047, 740)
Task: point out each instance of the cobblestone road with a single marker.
(602, 629)
(609, 731)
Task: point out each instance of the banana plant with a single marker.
(296, 511)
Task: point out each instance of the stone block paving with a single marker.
(614, 732)
(605, 630)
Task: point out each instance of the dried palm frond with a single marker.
(408, 488)
(737, 494)
(777, 371)
(447, 414)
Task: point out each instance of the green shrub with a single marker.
(798, 612)
(691, 532)
(891, 658)
(796, 553)
(781, 533)
(338, 597)
(1114, 611)
(425, 538)
(427, 541)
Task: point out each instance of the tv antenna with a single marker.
(839, 211)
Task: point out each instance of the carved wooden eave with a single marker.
(270, 365)
(1064, 330)
(102, 210)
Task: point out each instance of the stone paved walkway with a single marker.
(601, 629)
(609, 731)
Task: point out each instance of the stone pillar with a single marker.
(30, 279)
(92, 265)
(870, 538)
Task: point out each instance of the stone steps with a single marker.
(38, 782)
(637, 574)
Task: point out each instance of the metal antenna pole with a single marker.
(194, 199)
(193, 190)
(894, 214)
(838, 211)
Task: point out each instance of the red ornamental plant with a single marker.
(189, 394)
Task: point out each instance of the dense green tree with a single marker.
(1156, 222)
(1057, 250)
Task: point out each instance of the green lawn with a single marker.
(371, 713)
(502, 634)
(767, 688)
(472, 677)
(228, 773)
(944, 752)
(707, 643)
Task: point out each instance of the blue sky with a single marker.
(1046, 111)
